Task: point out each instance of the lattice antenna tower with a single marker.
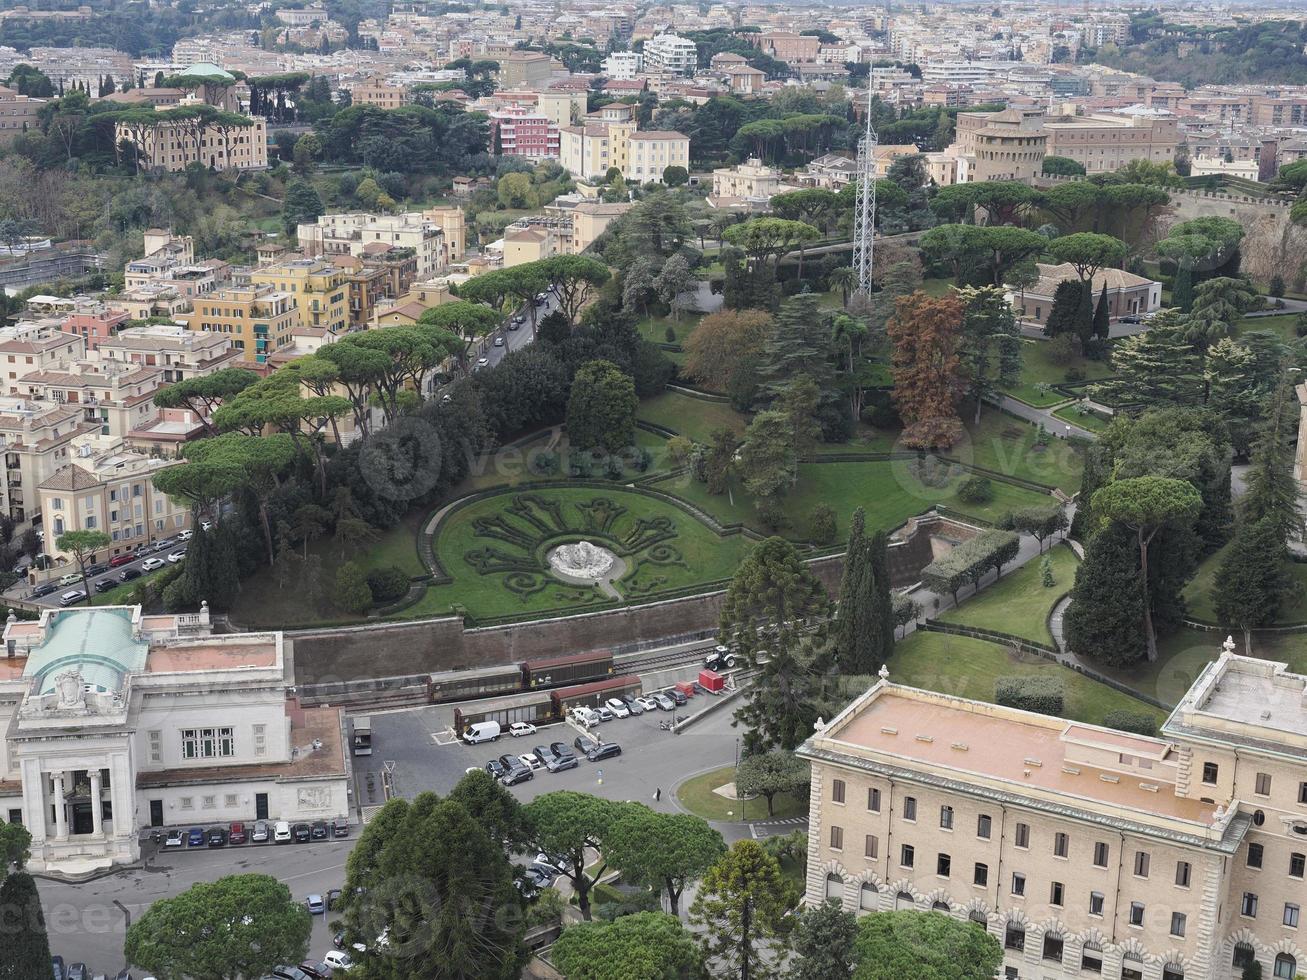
(864, 213)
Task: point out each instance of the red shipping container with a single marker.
(686, 688)
(711, 680)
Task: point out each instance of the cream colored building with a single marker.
(257, 319)
(568, 227)
(1103, 142)
(18, 114)
(108, 487)
(1084, 851)
(350, 233)
(562, 108)
(173, 146)
(176, 351)
(1005, 145)
(35, 439)
(115, 721)
(653, 151)
(316, 287)
(375, 91)
(752, 180)
(525, 69)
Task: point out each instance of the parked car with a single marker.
(259, 835)
(97, 569)
(236, 833)
(340, 828)
(79, 971)
(217, 837)
(482, 731)
(677, 696)
(337, 959)
(586, 716)
(1132, 318)
(315, 969)
(721, 658)
(530, 761)
(499, 341)
(41, 591)
(514, 326)
(206, 525)
(185, 535)
(663, 702)
(633, 704)
(560, 748)
(177, 556)
(150, 564)
(57, 967)
(175, 838)
(333, 898)
(604, 713)
(519, 319)
(68, 598)
(303, 833)
(496, 768)
(584, 743)
(71, 578)
(315, 904)
(319, 830)
(290, 973)
(195, 837)
(520, 728)
(105, 584)
(618, 707)
(647, 703)
(127, 574)
(482, 362)
(542, 754)
(561, 763)
(281, 832)
(515, 770)
(606, 751)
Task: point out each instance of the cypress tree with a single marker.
(855, 648)
(1085, 312)
(1182, 288)
(1272, 490)
(26, 946)
(881, 601)
(1061, 318)
(224, 569)
(1106, 617)
(1097, 466)
(1102, 322)
(1253, 579)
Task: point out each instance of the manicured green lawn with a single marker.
(936, 287)
(693, 554)
(1038, 371)
(888, 491)
(968, 668)
(1009, 446)
(696, 795)
(696, 418)
(1284, 324)
(655, 327)
(1019, 603)
(1198, 593)
(1077, 416)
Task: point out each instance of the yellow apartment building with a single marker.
(316, 287)
(258, 319)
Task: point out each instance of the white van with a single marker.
(482, 731)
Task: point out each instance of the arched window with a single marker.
(1132, 967)
(904, 901)
(1091, 958)
(1053, 947)
(979, 918)
(1243, 955)
(1015, 937)
(868, 900)
(1173, 971)
(834, 887)
(940, 907)
(1286, 967)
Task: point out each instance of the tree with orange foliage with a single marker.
(924, 334)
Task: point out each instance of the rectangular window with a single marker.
(207, 743)
(1018, 883)
(1254, 856)
(909, 808)
(1210, 772)
(943, 865)
(1302, 793)
(981, 875)
(188, 803)
(1055, 893)
(209, 802)
(156, 746)
(1095, 903)
(1100, 854)
(837, 791)
(946, 818)
(1263, 784)
(1061, 844)
(983, 826)
(873, 800)
(1022, 837)
(1182, 873)
(229, 800)
(1296, 864)
(871, 848)
(1248, 906)
(1291, 915)
(1136, 913)
(1177, 924)
(260, 739)
(837, 838)
(1141, 864)
(907, 856)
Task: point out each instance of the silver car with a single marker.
(664, 702)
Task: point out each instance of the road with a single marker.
(22, 590)
(513, 339)
(87, 922)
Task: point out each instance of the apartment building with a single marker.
(165, 253)
(93, 321)
(519, 131)
(653, 151)
(623, 66)
(35, 345)
(106, 486)
(18, 114)
(351, 233)
(569, 226)
(256, 319)
(610, 138)
(1085, 851)
(176, 351)
(525, 69)
(173, 146)
(34, 438)
(1103, 142)
(316, 287)
(375, 91)
(671, 54)
(788, 47)
(112, 397)
(750, 181)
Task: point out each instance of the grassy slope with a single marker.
(1038, 368)
(1018, 603)
(1198, 593)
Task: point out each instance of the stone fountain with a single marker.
(582, 560)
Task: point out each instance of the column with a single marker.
(96, 806)
(36, 815)
(60, 817)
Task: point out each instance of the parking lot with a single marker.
(141, 563)
(424, 756)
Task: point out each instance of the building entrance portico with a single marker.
(69, 808)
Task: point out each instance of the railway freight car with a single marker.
(576, 668)
(593, 694)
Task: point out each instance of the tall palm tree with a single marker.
(845, 280)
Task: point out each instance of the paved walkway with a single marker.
(1045, 417)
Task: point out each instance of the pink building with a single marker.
(94, 325)
(518, 131)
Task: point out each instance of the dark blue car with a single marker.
(195, 838)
